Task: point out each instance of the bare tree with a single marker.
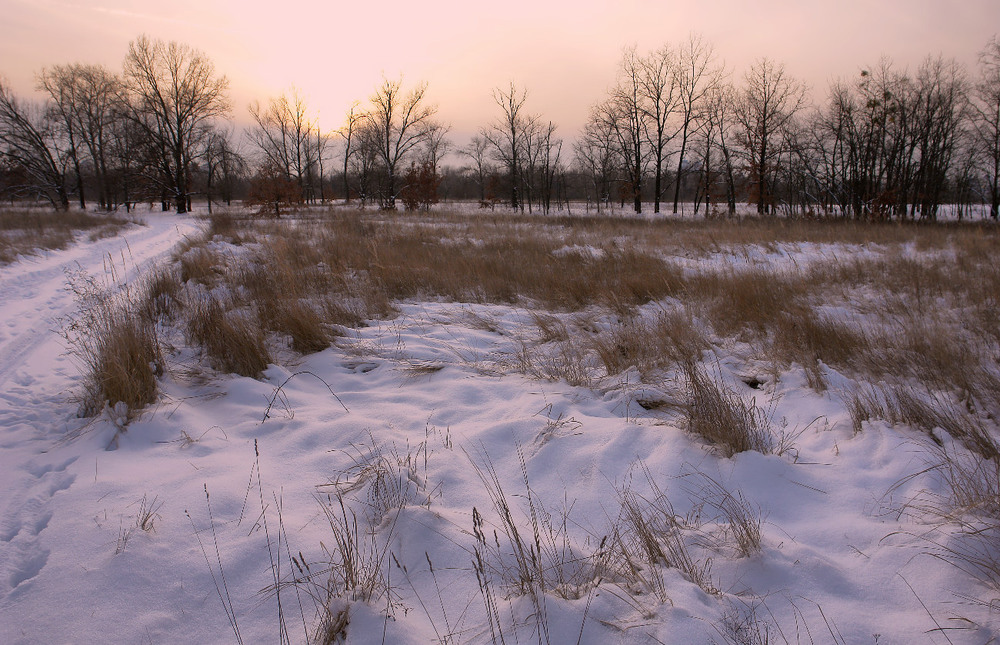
(986, 120)
(697, 75)
(173, 92)
(624, 113)
(283, 135)
(347, 132)
(596, 154)
(224, 165)
(658, 100)
(765, 105)
(362, 162)
(476, 151)
(400, 121)
(507, 136)
(84, 98)
(60, 84)
(550, 153)
(29, 142)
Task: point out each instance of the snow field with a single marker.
(434, 405)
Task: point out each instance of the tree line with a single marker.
(677, 125)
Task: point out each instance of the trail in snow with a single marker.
(37, 378)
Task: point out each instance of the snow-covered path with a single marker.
(37, 379)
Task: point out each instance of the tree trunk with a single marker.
(680, 167)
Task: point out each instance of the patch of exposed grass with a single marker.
(233, 340)
(723, 418)
(116, 345)
(24, 231)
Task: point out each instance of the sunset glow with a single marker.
(565, 53)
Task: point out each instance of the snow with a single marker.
(432, 394)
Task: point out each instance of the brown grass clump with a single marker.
(803, 336)
(162, 294)
(649, 533)
(928, 412)
(723, 418)
(126, 364)
(234, 342)
(669, 339)
(497, 263)
(740, 301)
(225, 223)
(201, 265)
(300, 322)
(117, 347)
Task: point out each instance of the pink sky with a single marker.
(564, 52)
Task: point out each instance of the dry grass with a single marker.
(116, 345)
(233, 340)
(24, 231)
(741, 518)
(649, 534)
(297, 320)
(723, 418)
(668, 339)
(163, 294)
(200, 264)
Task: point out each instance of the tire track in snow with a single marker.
(38, 298)
(35, 376)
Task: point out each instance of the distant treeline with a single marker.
(676, 126)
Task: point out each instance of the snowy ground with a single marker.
(422, 405)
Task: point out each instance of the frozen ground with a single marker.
(416, 413)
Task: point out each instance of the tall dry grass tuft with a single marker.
(928, 411)
(528, 552)
(233, 340)
(668, 339)
(224, 223)
(162, 294)
(200, 264)
(298, 321)
(652, 534)
(723, 418)
(116, 345)
(746, 301)
(802, 336)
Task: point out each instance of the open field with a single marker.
(353, 426)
